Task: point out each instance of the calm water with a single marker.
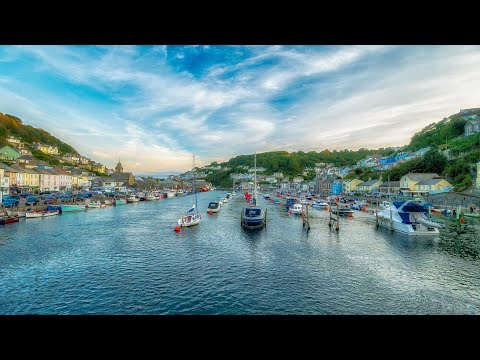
(128, 260)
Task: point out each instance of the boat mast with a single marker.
(194, 186)
(255, 180)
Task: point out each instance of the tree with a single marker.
(434, 161)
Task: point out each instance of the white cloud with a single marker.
(229, 111)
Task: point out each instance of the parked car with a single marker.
(10, 200)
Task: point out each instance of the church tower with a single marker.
(119, 167)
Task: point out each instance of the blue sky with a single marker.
(153, 106)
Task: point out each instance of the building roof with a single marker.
(430, 181)
(369, 182)
(25, 157)
(421, 176)
(121, 176)
(7, 168)
(474, 122)
(391, 184)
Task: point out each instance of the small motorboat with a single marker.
(343, 211)
(319, 204)
(266, 196)
(213, 207)
(95, 205)
(120, 202)
(296, 209)
(133, 198)
(39, 214)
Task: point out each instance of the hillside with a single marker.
(12, 126)
(458, 168)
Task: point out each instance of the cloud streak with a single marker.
(154, 106)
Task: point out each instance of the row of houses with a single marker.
(19, 179)
(412, 183)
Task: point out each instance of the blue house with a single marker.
(336, 188)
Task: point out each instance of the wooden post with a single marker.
(308, 220)
(337, 226)
(459, 224)
(376, 218)
(330, 215)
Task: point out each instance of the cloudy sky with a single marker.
(153, 106)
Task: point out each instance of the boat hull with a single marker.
(34, 215)
(120, 202)
(71, 208)
(187, 221)
(407, 229)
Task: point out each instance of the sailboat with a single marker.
(253, 216)
(192, 217)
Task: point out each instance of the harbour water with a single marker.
(128, 260)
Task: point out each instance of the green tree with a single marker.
(434, 161)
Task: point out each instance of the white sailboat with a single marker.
(192, 217)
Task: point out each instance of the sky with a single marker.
(152, 107)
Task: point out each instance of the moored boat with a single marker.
(133, 198)
(70, 208)
(296, 209)
(120, 202)
(39, 214)
(213, 207)
(408, 217)
(193, 218)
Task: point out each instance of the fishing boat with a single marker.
(408, 217)
(180, 193)
(305, 202)
(151, 197)
(191, 218)
(169, 194)
(266, 196)
(8, 219)
(120, 202)
(40, 214)
(95, 205)
(108, 202)
(252, 216)
(70, 208)
(296, 209)
(133, 198)
(213, 207)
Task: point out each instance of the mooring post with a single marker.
(330, 215)
(337, 227)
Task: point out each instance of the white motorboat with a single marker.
(151, 197)
(40, 214)
(133, 198)
(180, 193)
(95, 205)
(305, 202)
(169, 194)
(319, 204)
(408, 217)
(296, 209)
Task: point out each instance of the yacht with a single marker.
(408, 217)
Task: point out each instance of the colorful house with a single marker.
(350, 185)
(426, 186)
(369, 185)
(7, 153)
(409, 182)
